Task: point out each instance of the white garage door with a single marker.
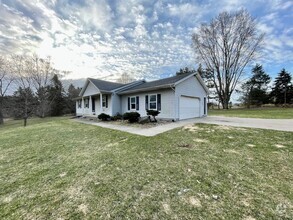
(188, 107)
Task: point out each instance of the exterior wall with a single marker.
(116, 104)
(79, 111)
(98, 109)
(167, 103)
(190, 87)
(91, 90)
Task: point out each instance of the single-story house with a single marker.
(179, 97)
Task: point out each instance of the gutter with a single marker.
(146, 89)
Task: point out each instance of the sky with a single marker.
(144, 38)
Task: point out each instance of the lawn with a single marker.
(60, 169)
(272, 113)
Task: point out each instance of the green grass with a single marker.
(63, 169)
(270, 113)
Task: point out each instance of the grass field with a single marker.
(270, 113)
(60, 169)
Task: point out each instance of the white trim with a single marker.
(130, 97)
(199, 79)
(104, 96)
(149, 97)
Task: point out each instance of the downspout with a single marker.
(173, 88)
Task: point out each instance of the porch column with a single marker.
(82, 105)
(90, 105)
(101, 102)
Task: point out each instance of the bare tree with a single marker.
(41, 72)
(225, 46)
(6, 80)
(125, 78)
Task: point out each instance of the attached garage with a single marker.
(189, 107)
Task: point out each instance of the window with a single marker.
(79, 103)
(105, 101)
(86, 103)
(132, 103)
(153, 102)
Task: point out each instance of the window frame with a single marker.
(86, 103)
(132, 97)
(104, 101)
(79, 103)
(156, 102)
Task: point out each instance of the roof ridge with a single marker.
(179, 76)
(105, 81)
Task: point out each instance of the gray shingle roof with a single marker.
(105, 85)
(161, 83)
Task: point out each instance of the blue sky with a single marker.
(145, 38)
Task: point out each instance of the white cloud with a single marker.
(185, 9)
(106, 38)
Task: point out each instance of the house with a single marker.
(178, 97)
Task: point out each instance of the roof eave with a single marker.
(166, 86)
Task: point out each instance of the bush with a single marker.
(153, 113)
(104, 117)
(116, 117)
(131, 116)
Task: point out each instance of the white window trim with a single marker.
(86, 103)
(79, 103)
(134, 103)
(153, 102)
(104, 101)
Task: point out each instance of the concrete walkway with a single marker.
(274, 124)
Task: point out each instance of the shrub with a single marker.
(103, 117)
(153, 113)
(116, 117)
(131, 116)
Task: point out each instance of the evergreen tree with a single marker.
(282, 91)
(23, 104)
(185, 70)
(72, 93)
(56, 95)
(43, 108)
(255, 89)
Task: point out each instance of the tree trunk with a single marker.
(1, 112)
(25, 116)
(1, 116)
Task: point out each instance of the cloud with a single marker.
(148, 38)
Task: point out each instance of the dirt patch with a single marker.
(62, 174)
(166, 208)
(245, 202)
(279, 146)
(248, 218)
(223, 127)
(191, 128)
(194, 201)
(231, 151)
(7, 199)
(184, 145)
(83, 208)
(113, 144)
(198, 140)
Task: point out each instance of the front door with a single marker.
(93, 104)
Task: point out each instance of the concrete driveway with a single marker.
(274, 124)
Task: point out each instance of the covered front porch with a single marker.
(94, 105)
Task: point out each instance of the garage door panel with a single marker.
(188, 107)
